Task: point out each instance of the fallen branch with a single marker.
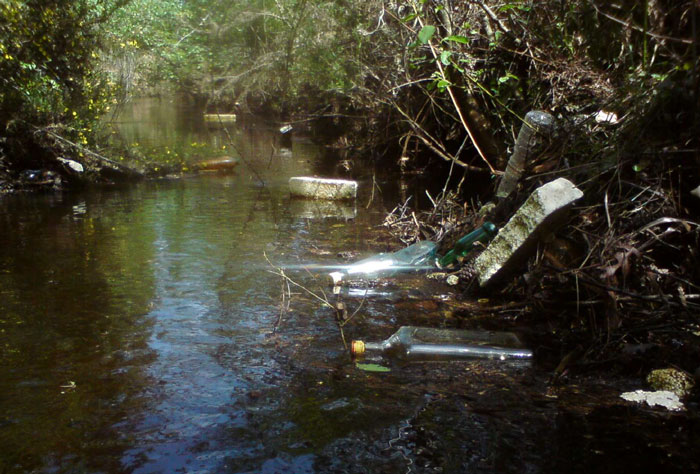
(104, 161)
(435, 146)
(323, 299)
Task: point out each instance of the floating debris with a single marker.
(322, 188)
(222, 163)
(419, 256)
(74, 165)
(606, 117)
(419, 343)
(223, 118)
(662, 398)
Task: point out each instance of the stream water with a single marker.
(141, 331)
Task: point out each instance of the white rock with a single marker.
(534, 218)
(322, 188)
(606, 117)
(662, 398)
(74, 165)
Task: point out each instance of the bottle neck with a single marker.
(373, 347)
(361, 349)
(464, 245)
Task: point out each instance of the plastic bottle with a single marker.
(417, 343)
(466, 243)
(418, 256)
(535, 129)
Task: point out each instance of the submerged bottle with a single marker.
(418, 256)
(417, 343)
(466, 244)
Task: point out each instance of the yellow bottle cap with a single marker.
(357, 348)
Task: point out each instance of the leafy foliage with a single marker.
(48, 54)
(259, 51)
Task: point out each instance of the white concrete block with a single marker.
(322, 188)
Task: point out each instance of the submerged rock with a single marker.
(537, 216)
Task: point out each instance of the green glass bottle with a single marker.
(466, 244)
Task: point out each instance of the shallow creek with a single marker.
(141, 331)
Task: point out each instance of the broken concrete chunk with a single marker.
(696, 192)
(537, 216)
(322, 188)
(662, 398)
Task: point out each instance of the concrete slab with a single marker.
(515, 241)
(322, 188)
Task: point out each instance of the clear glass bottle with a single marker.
(418, 256)
(417, 343)
(465, 245)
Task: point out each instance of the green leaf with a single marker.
(443, 84)
(372, 367)
(426, 33)
(408, 18)
(445, 57)
(641, 166)
(512, 6)
(507, 78)
(457, 39)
